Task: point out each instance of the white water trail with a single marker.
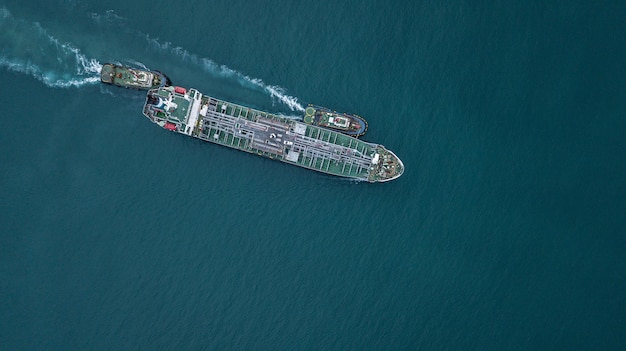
(223, 71)
(279, 93)
(27, 48)
(109, 17)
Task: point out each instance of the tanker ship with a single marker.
(189, 112)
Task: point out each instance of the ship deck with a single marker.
(269, 135)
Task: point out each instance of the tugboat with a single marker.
(128, 77)
(352, 125)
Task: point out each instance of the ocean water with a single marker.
(506, 232)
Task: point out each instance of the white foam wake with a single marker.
(109, 17)
(29, 49)
(50, 79)
(279, 93)
(223, 71)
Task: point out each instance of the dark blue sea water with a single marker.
(506, 232)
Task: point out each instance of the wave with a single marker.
(28, 48)
(109, 17)
(278, 92)
(50, 79)
(223, 71)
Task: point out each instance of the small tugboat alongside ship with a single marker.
(189, 112)
(134, 78)
(350, 124)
